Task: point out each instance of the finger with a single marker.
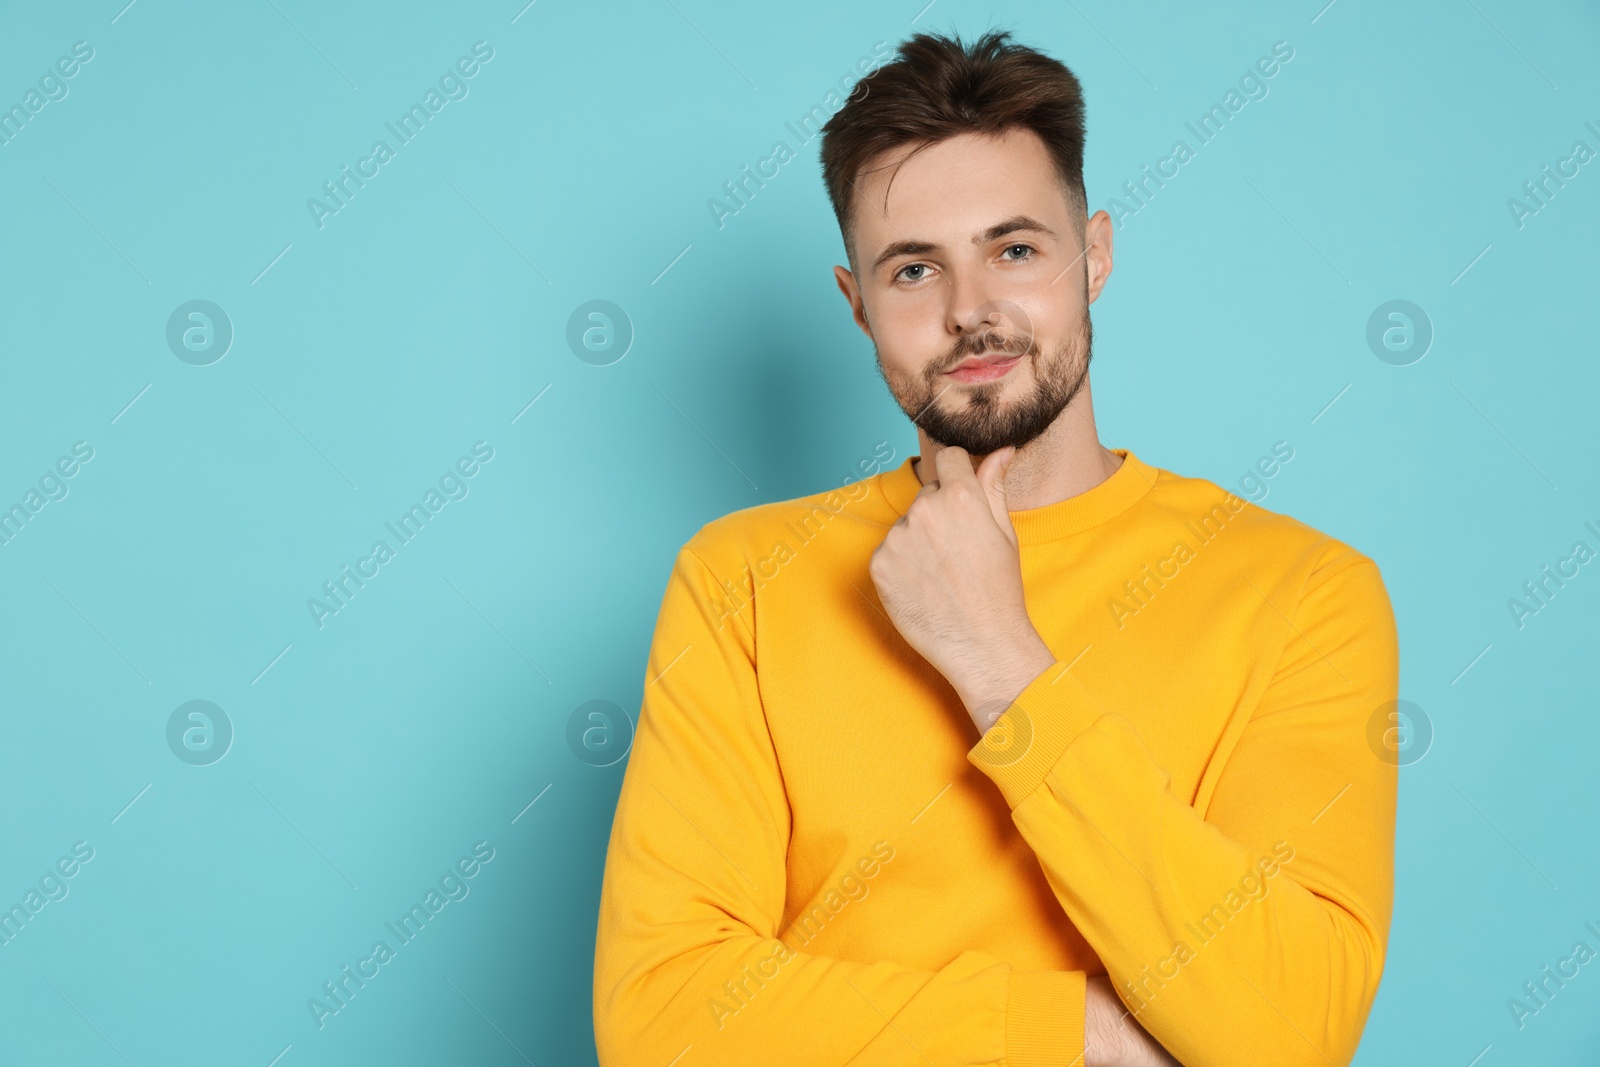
(991, 476)
(927, 490)
(953, 464)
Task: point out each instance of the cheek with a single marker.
(902, 373)
(1041, 311)
(1066, 332)
(908, 342)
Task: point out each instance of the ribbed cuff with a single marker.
(1044, 1018)
(1019, 749)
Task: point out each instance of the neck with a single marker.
(1064, 461)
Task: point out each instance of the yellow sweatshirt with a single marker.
(816, 861)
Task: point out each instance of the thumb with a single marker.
(992, 476)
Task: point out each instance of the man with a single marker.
(1026, 752)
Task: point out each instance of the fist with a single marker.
(950, 578)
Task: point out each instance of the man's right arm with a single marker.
(687, 961)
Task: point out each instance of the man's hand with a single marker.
(1112, 1037)
(950, 578)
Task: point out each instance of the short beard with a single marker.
(982, 426)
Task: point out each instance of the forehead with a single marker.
(954, 188)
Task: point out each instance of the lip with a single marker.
(984, 368)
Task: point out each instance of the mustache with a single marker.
(977, 344)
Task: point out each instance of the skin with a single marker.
(949, 572)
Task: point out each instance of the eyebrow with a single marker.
(1000, 229)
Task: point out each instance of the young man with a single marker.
(1025, 752)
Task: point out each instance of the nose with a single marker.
(971, 310)
(1005, 321)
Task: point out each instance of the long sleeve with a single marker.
(1254, 931)
(688, 962)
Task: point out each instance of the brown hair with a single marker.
(938, 87)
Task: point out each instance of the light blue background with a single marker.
(427, 314)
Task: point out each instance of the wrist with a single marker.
(992, 688)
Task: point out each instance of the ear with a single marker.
(1097, 253)
(847, 285)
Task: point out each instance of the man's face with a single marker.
(974, 285)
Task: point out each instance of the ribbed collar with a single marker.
(1131, 481)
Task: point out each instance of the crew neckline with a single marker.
(1132, 479)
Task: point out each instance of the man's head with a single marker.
(956, 174)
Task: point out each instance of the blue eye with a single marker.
(911, 266)
(1026, 248)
